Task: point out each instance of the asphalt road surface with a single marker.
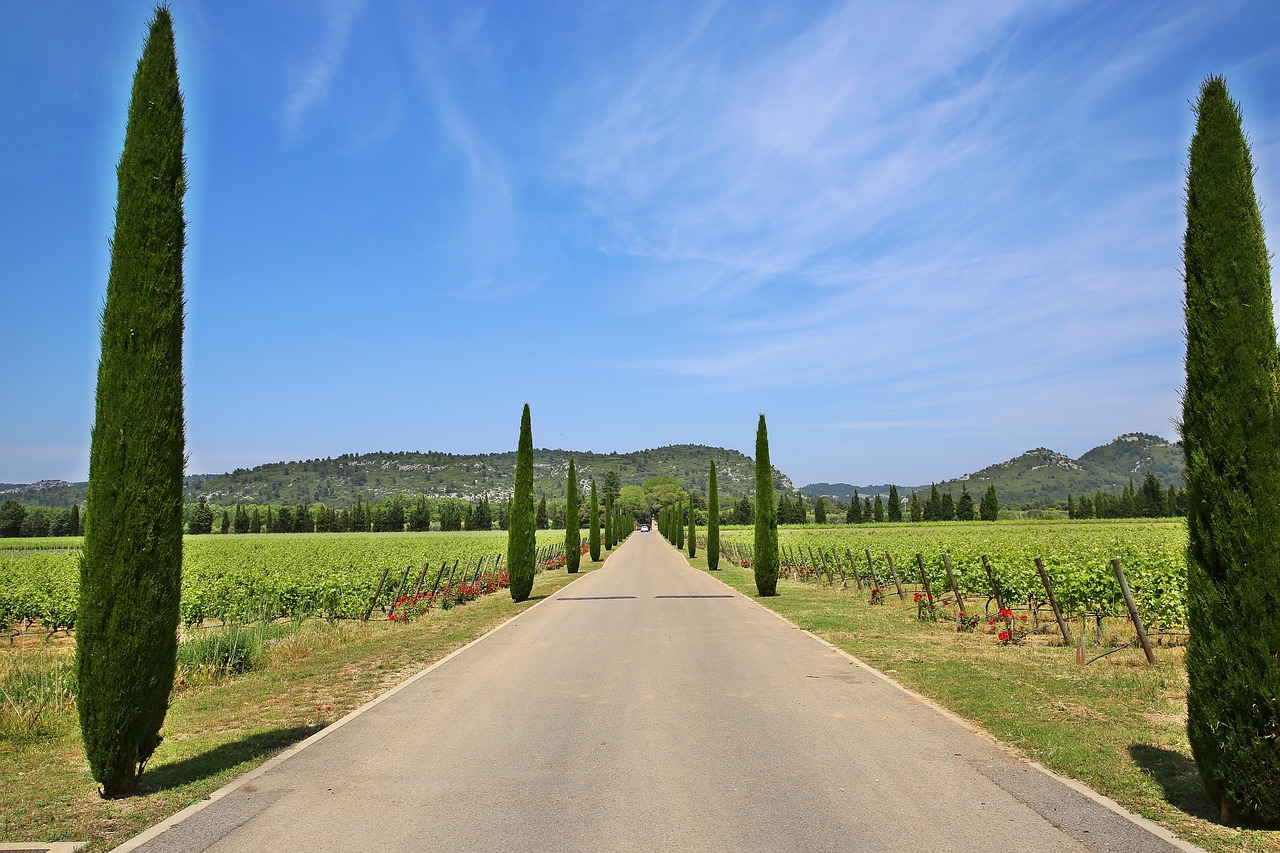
(648, 707)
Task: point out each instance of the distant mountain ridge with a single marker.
(1037, 477)
(1042, 477)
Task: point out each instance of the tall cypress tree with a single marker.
(989, 507)
(521, 526)
(131, 570)
(713, 521)
(593, 538)
(895, 504)
(679, 519)
(608, 521)
(572, 532)
(1231, 442)
(766, 531)
(693, 533)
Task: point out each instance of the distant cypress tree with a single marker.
(878, 512)
(713, 520)
(593, 538)
(241, 521)
(521, 530)
(201, 519)
(820, 511)
(78, 530)
(544, 521)
(948, 508)
(679, 522)
(964, 506)
(854, 515)
(255, 521)
(608, 521)
(766, 531)
(572, 532)
(693, 532)
(917, 511)
(895, 504)
(1231, 442)
(225, 526)
(989, 508)
(131, 570)
(933, 509)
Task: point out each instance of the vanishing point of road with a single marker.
(648, 707)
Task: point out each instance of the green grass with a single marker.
(1118, 725)
(220, 724)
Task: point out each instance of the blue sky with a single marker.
(921, 237)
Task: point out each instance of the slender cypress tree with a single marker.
(1231, 441)
(521, 526)
(131, 571)
(766, 532)
(572, 532)
(895, 504)
(593, 538)
(713, 521)
(608, 521)
(693, 533)
(680, 525)
(989, 507)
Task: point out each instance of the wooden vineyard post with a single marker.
(857, 578)
(955, 590)
(1133, 611)
(1080, 649)
(872, 566)
(896, 582)
(991, 578)
(452, 572)
(479, 572)
(815, 564)
(1053, 602)
(924, 578)
(435, 587)
(835, 558)
(422, 578)
(404, 578)
(377, 592)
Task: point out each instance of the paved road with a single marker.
(645, 707)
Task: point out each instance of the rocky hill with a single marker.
(1043, 477)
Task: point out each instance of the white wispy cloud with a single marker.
(310, 84)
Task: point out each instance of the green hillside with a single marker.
(1042, 477)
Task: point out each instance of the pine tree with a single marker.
(895, 504)
(1231, 442)
(572, 532)
(766, 532)
(131, 570)
(989, 508)
(713, 520)
(201, 519)
(521, 532)
(593, 538)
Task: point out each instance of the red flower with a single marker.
(1004, 635)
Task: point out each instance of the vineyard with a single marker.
(229, 579)
(994, 565)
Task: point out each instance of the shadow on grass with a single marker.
(221, 758)
(1178, 779)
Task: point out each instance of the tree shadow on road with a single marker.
(222, 758)
(1178, 779)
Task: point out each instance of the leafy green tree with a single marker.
(572, 532)
(61, 524)
(35, 524)
(419, 518)
(766, 532)
(131, 570)
(201, 519)
(989, 507)
(713, 520)
(612, 486)
(12, 515)
(633, 504)
(1231, 442)
(744, 511)
(593, 535)
(521, 535)
(484, 515)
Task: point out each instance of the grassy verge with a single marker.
(219, 727)
(1118, 725)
